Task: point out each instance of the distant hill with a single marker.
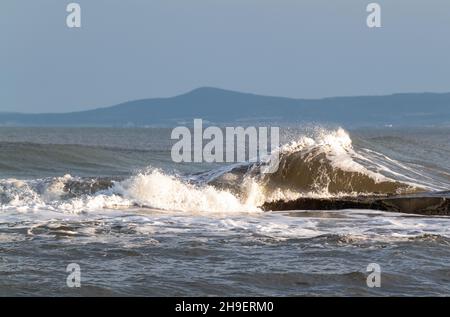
(224, 107)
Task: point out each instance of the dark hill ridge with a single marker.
(224, 106)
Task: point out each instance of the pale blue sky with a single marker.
(138, 49)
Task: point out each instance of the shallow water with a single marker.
(144, 252)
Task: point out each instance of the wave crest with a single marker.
(324, 165)
(158, 190)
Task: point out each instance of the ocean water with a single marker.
(114, 202)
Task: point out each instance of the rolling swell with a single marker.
(327, 173)
(325, 166)
(313, 171)
(24, 160)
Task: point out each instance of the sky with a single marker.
(136, 49)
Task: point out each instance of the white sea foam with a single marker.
(158, 190)
(154, 188)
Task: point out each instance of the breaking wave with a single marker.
(323, 165)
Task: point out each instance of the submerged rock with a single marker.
(421, 204)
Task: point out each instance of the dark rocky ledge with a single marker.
(420, 204)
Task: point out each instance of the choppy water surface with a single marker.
(113, 201)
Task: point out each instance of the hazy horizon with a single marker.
(94, 107)
(138, 50)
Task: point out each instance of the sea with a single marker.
(114, 203)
